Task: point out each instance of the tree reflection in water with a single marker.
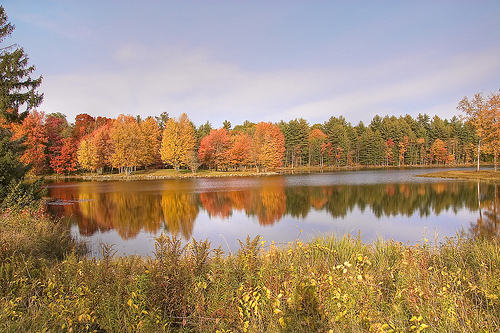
(487, 225)
(175, 209)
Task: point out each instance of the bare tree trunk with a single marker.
(478, 153)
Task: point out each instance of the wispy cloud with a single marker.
(148, 81)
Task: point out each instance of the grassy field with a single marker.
(328, 284)
(486, 175)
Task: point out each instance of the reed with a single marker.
(328, 284)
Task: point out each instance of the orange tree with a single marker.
(483, 113)
(35, 133)
(214, 149)
(268, 146)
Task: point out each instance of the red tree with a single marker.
(65, 159)
(240, 153)
(214, 149)
(36, 139)
(84, 125)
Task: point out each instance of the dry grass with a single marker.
(486, 175)
(329, 284)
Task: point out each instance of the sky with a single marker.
(259, 60)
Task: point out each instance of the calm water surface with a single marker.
(388, 204)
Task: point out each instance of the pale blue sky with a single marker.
(259, 60)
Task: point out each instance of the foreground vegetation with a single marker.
(329, 284)
(486, 175)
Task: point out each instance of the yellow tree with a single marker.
(492, 140)
(269, 146)
(150, 141)
(94, 150)
(178, 142)
(84, 154)
(482, 115)
(126, 143)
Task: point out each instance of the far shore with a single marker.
(482, 175)
(202, 173)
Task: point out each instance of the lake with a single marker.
(391, 204)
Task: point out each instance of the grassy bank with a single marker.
(486, 175)
(329, 284)
(202, 173)
(161, 174)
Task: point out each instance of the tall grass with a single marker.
(328, 284)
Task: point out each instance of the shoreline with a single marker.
(183, 174)
(468, 175)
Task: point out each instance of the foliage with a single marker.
(484, 114)
(329, 284)
(11, 169)
(34, 131)
(17, 88)
(214, 149)
(127, 144)
(150, 142)
(268, 146)
(178, 141)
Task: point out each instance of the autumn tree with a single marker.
(35, 141)
(316, 140)
(268, 146)
(84, 154)
(214, 149)
(84, 125)
(403, 147)
(478, 113)
(94, 150)
(439, 151)
(126, 143)
(61, 146)
(178, 142)
(150, 141)
(492, 140)
(18, 95)
(388, 152)
(240, 153)
(65, 159)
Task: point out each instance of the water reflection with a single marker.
(488, 224)
(134, 207)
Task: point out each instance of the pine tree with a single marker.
(17, 88)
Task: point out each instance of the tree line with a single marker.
(50, 144)
(126, 143)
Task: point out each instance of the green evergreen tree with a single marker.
(296, 134)
(17, 88)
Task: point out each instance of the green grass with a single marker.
(328, 284)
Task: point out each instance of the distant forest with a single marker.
(128, 143)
